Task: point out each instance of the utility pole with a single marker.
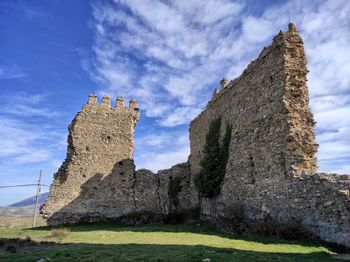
(37, 198)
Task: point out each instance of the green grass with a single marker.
(112, 242)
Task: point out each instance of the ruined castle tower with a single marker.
(99, 137)
(268, 107)
(271, 178)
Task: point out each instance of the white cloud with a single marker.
(256, 30)
(333, 119)
(170, 55)
(155, 161)
(162, 140)
(161, 150)
(180, 115)
(24, 140)
(175, 45)
(207, 13)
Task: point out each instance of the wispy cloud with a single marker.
(10, 72)
(160, 60)
(25, 10)
(161, 150)
(156, 161)
(23, 143)
(25, 105)
(170, 55)
(23, 139)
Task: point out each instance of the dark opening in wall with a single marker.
(252, 166)
(106, 138)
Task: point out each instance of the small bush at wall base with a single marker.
(183, 216)
(60, 232)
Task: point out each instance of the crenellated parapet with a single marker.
(107, 103)
(92, 99)
(120, 102)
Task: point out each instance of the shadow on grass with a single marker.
(28, 250)
(200, 227)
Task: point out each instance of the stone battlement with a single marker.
(106, 102)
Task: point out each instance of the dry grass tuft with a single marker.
(60, 232)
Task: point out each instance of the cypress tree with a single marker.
(225, 149)
(213, 165)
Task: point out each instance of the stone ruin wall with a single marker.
(271, 175)
(98, 181)
(271, 172)
(99, 137)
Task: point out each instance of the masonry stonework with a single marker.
(98, 181)
(271, 176)
(271, 172)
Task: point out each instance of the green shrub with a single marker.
(213, 165)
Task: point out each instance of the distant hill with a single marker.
(30, 201)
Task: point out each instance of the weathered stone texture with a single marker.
(271, 172)
(98, 181)
(124, 192)
(268, 109)
(271, 175)
(99, 137)
(183, 172)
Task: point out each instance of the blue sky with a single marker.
(169, 55)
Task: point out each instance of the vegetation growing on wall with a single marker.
(174, 188)
(213, 164)
(225, 150)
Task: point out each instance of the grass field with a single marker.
(19, 222)
(113, 242)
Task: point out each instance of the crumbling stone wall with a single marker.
(271, 178)
(271, 172)
(99, 137)
(269, 112)
(98, 181)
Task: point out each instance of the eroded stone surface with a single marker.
(271, 172)
(98, 181)
(99, 137)
(271, 176)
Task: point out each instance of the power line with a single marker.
(23, 185)
(37, 196)
(38, 190)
